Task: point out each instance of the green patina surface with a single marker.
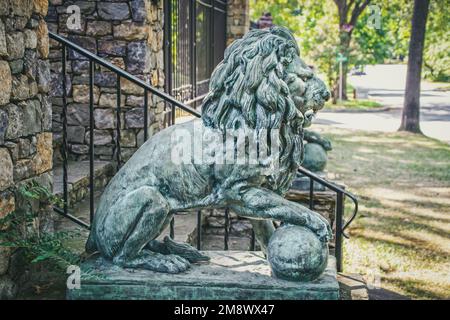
(230, 275)
(262, 90)
(315, 157)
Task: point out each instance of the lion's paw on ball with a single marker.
(295, 253)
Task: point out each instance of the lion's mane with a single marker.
(248, 87)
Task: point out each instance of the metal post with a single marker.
(311, 193)
(91, 139)
(145, 115)
(118, 124)
(212, 33)
(172, 228)
(199, 230)
(227, 226)
(252, 241)
(339, 219)
(64, 124)
(168, 57)
(193, 51)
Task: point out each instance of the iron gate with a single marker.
(195, 36)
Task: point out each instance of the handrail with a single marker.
(339, 219)
(334, 188)
(123, 73)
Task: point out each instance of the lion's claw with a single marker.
(322, 229)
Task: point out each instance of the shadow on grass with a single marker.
(393, 223)
(415, 288)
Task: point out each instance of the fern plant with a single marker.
(19, 230)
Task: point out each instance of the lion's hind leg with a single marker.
(145, 210)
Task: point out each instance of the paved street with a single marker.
(386, 84)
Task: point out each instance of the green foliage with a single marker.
(34, 191)
(390, 40)
(437, 42)
(20, 230)
(315, 24)
(359, 104)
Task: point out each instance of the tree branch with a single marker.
(350, 4)
(342, 11)
(357, 10)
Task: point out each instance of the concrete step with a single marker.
(78, 179)
(185, 228)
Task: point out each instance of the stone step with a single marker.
(78, 179)
(185, 228)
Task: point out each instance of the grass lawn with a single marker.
(402, 232)
(353, 104)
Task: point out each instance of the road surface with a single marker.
(386, 84)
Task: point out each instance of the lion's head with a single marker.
(263, 83)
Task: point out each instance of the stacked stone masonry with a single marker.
(25, 114)
(238, 19)
(129, 34)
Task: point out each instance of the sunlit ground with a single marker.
(402, 233)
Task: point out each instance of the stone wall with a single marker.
(130, 35)
(25, 114)
(238, 19)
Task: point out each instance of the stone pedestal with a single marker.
(230, 275)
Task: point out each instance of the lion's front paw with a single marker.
(321, 228)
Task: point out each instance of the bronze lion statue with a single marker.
(261, 86)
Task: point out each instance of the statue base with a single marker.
(230, 275)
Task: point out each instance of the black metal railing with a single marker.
(340, 225)
(173, 103)
(195, 40)
(93, 61)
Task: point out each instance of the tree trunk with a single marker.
(411, 105)
(345, 38)
(344, 80)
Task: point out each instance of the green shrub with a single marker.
(20, 230)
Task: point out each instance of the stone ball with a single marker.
(295, 253)
(315, 157)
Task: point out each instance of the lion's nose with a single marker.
(326, 95)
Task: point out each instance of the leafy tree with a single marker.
(349, 13)
(323, 32)
(316, 26)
